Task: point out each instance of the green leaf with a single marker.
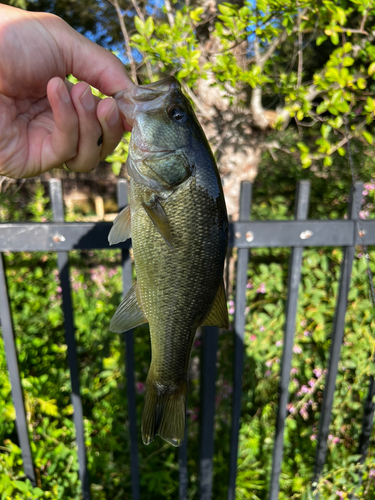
(226, 11)
(341, 151)
(183, 73)
(140, 25)
(321, 39)
(327, 161)
(340, 16)
(368, 137)
(335, 38)
(149, 27)
(325, 130)
(323, 106)
(371, 69)
(348, 61)
(361, 82)
(195, 14)
(302, 146)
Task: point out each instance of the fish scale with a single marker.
(175, 308)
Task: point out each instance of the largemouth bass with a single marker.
(178, 223)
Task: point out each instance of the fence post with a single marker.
(122, 198)
(63, 266)
(337, 337)
(210, 337)
(294, 278)
(14, 374)
(239, 328)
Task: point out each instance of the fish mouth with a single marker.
(148, 97)
(146, 151)
(149, 91)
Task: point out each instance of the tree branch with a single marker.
(168, 8)
(300, 52)
(142, 17)
(271, 49)
(126, 39)
(341, 143)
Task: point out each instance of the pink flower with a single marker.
(340, 494)
(297, 349)
(369, 186)
(231, 310)
(313, 437)
(304, 389)
(194, 414)
(335, 440)
(140, 387)
(253, 337)
(304, 414)
(268, 373)
(311, 383)
(279, 343)
(295, 381)
(363, 214)
(249, 285)
(372, 473)
(262, 288)
(317, 372)
(303, 322)
(269, 363)
(291, 408)
(262, 328)
(306, 333)
(365, 192)
(294, 370)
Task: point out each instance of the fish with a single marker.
(178, 223)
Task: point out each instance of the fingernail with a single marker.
(112, 116)
(63, 93)
(87, 100)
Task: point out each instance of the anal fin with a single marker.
(129, 313)
(121, 229)
(218, 315)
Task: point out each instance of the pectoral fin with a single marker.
(156, 213)
(218, 315)
(129, 313)
(121, 228)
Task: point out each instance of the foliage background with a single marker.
(283, 94)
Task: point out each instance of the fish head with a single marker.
(164, 130)
(160, 115)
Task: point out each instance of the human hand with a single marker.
(45, 121)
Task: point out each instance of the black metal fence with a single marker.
(62, 237)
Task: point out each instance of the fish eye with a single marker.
(177, 114)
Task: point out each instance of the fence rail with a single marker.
(62, 237)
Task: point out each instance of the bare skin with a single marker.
(44, 120)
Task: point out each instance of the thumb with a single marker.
(91, 63)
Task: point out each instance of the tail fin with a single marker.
(164, 413)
